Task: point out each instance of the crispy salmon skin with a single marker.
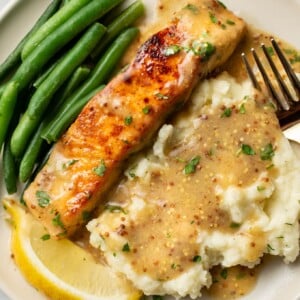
(119, 120)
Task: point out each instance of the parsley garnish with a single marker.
(242, 109)
(172, 50)
(161, 96)
(113, 208)
(126, 248)
(213, 18)
(260, 188)
(45, 237)
(147, 109)
(56, 221)
(190, 167)
(42, 198)
(69, 163)
(224, 273)
(267, 152)
(101, 169)
(270, 50)
(203, 49)
(128, 120)
(222, 4)
(197, 258)
(226, 113)
(86, 215)
(192, 8)
(246, 149)
(156, 297)
(269, 248)
(234, 225)
(230, 22)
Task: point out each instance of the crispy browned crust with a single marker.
(151, 88)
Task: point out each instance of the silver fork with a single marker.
(285, 99)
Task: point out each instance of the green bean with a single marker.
(62, 122)
(31, 154)
(98, 76)
(76, 79)
(41, 98)
(7, 106)
(59, 38)
(123, 21)
(44, 75)
(52, 24)
(14, 57)
(9, 169)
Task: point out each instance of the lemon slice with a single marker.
(59, 268)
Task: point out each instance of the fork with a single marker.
(285, 99)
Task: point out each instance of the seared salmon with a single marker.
(123, 117)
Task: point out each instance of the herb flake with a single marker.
(45, 237)
(191, 166)
(226, 113)
(128, 120)
(193, 8)
(43, 198)
(56, 221)
(197, 258)
(172, 50)
(224, 274)
(126, 248)
(267, 152)
(246, 149)
(101, 169)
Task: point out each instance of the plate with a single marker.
(281, 17)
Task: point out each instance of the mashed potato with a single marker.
(219, 186)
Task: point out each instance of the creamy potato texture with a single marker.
(219, 186)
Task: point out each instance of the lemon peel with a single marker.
(59, 268)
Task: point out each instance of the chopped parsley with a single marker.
(115, 208)
(260, 188)
(230, 22)
(42, 198)
(270, 50)
(128, 120)
(126, 248)
(157, 297)
(69, 163)
(224, 273)
(101, 169)
(267, 152)
(203, 49)
(147, 109)
(45, 237)
(191, 166)
(226, 113)
(193, 8)
(172, 50)
(56, 221)
(242, 109)
(213, 18)
(175, 266)
(161, 96)
(246, 149)
(86, 215)
(197, 258)
(270, 248)
(222, 4)
(235, 225)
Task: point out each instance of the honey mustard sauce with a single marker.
(217, 139)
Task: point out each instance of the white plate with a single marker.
(281, 17)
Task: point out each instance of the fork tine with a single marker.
(250, 72)
(280, 104)
(284, 89)
(291, 74)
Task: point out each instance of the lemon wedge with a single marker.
(59, 268)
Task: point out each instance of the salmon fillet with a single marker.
(123, 117)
